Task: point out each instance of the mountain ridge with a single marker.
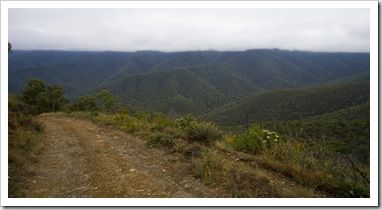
(204, 79)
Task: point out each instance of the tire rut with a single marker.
(82, 159)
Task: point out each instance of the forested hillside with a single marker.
(182, 82)
(293, 104)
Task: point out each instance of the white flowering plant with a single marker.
(270, 138)
(256, 140)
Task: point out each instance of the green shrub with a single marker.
(158, 139)
(130, 127)
(207, 167)
(119, 118)
(184, 122)
(256, 141)
(160, 122)
(143, 117)
(245, 143)
(204, 132)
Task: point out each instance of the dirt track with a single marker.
(83, 159)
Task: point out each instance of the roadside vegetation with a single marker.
(238, 162)
(25, 143)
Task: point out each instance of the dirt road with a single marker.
(83, 160)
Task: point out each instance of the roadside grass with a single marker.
(212, 157)
(25, 143)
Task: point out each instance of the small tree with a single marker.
(109, 101)
(101, 101)
(42, 97)
(55, 97)
(34, 94)
(87, 103)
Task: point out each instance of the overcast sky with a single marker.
(345, 30)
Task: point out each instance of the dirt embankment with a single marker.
(83, 159)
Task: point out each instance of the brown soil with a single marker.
(83, 160)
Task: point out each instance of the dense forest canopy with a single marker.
(183, 82)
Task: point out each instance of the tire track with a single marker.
(83, 160)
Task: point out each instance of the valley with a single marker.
(182, 82)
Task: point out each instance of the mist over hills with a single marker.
(186, 82)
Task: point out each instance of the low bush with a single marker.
(207, 167)
(185, 122)
(256, 140)
(160, 139)
(160, 122)
(204, 132)
(130, 127)
(246, 182)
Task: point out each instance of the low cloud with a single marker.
(345, 30)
